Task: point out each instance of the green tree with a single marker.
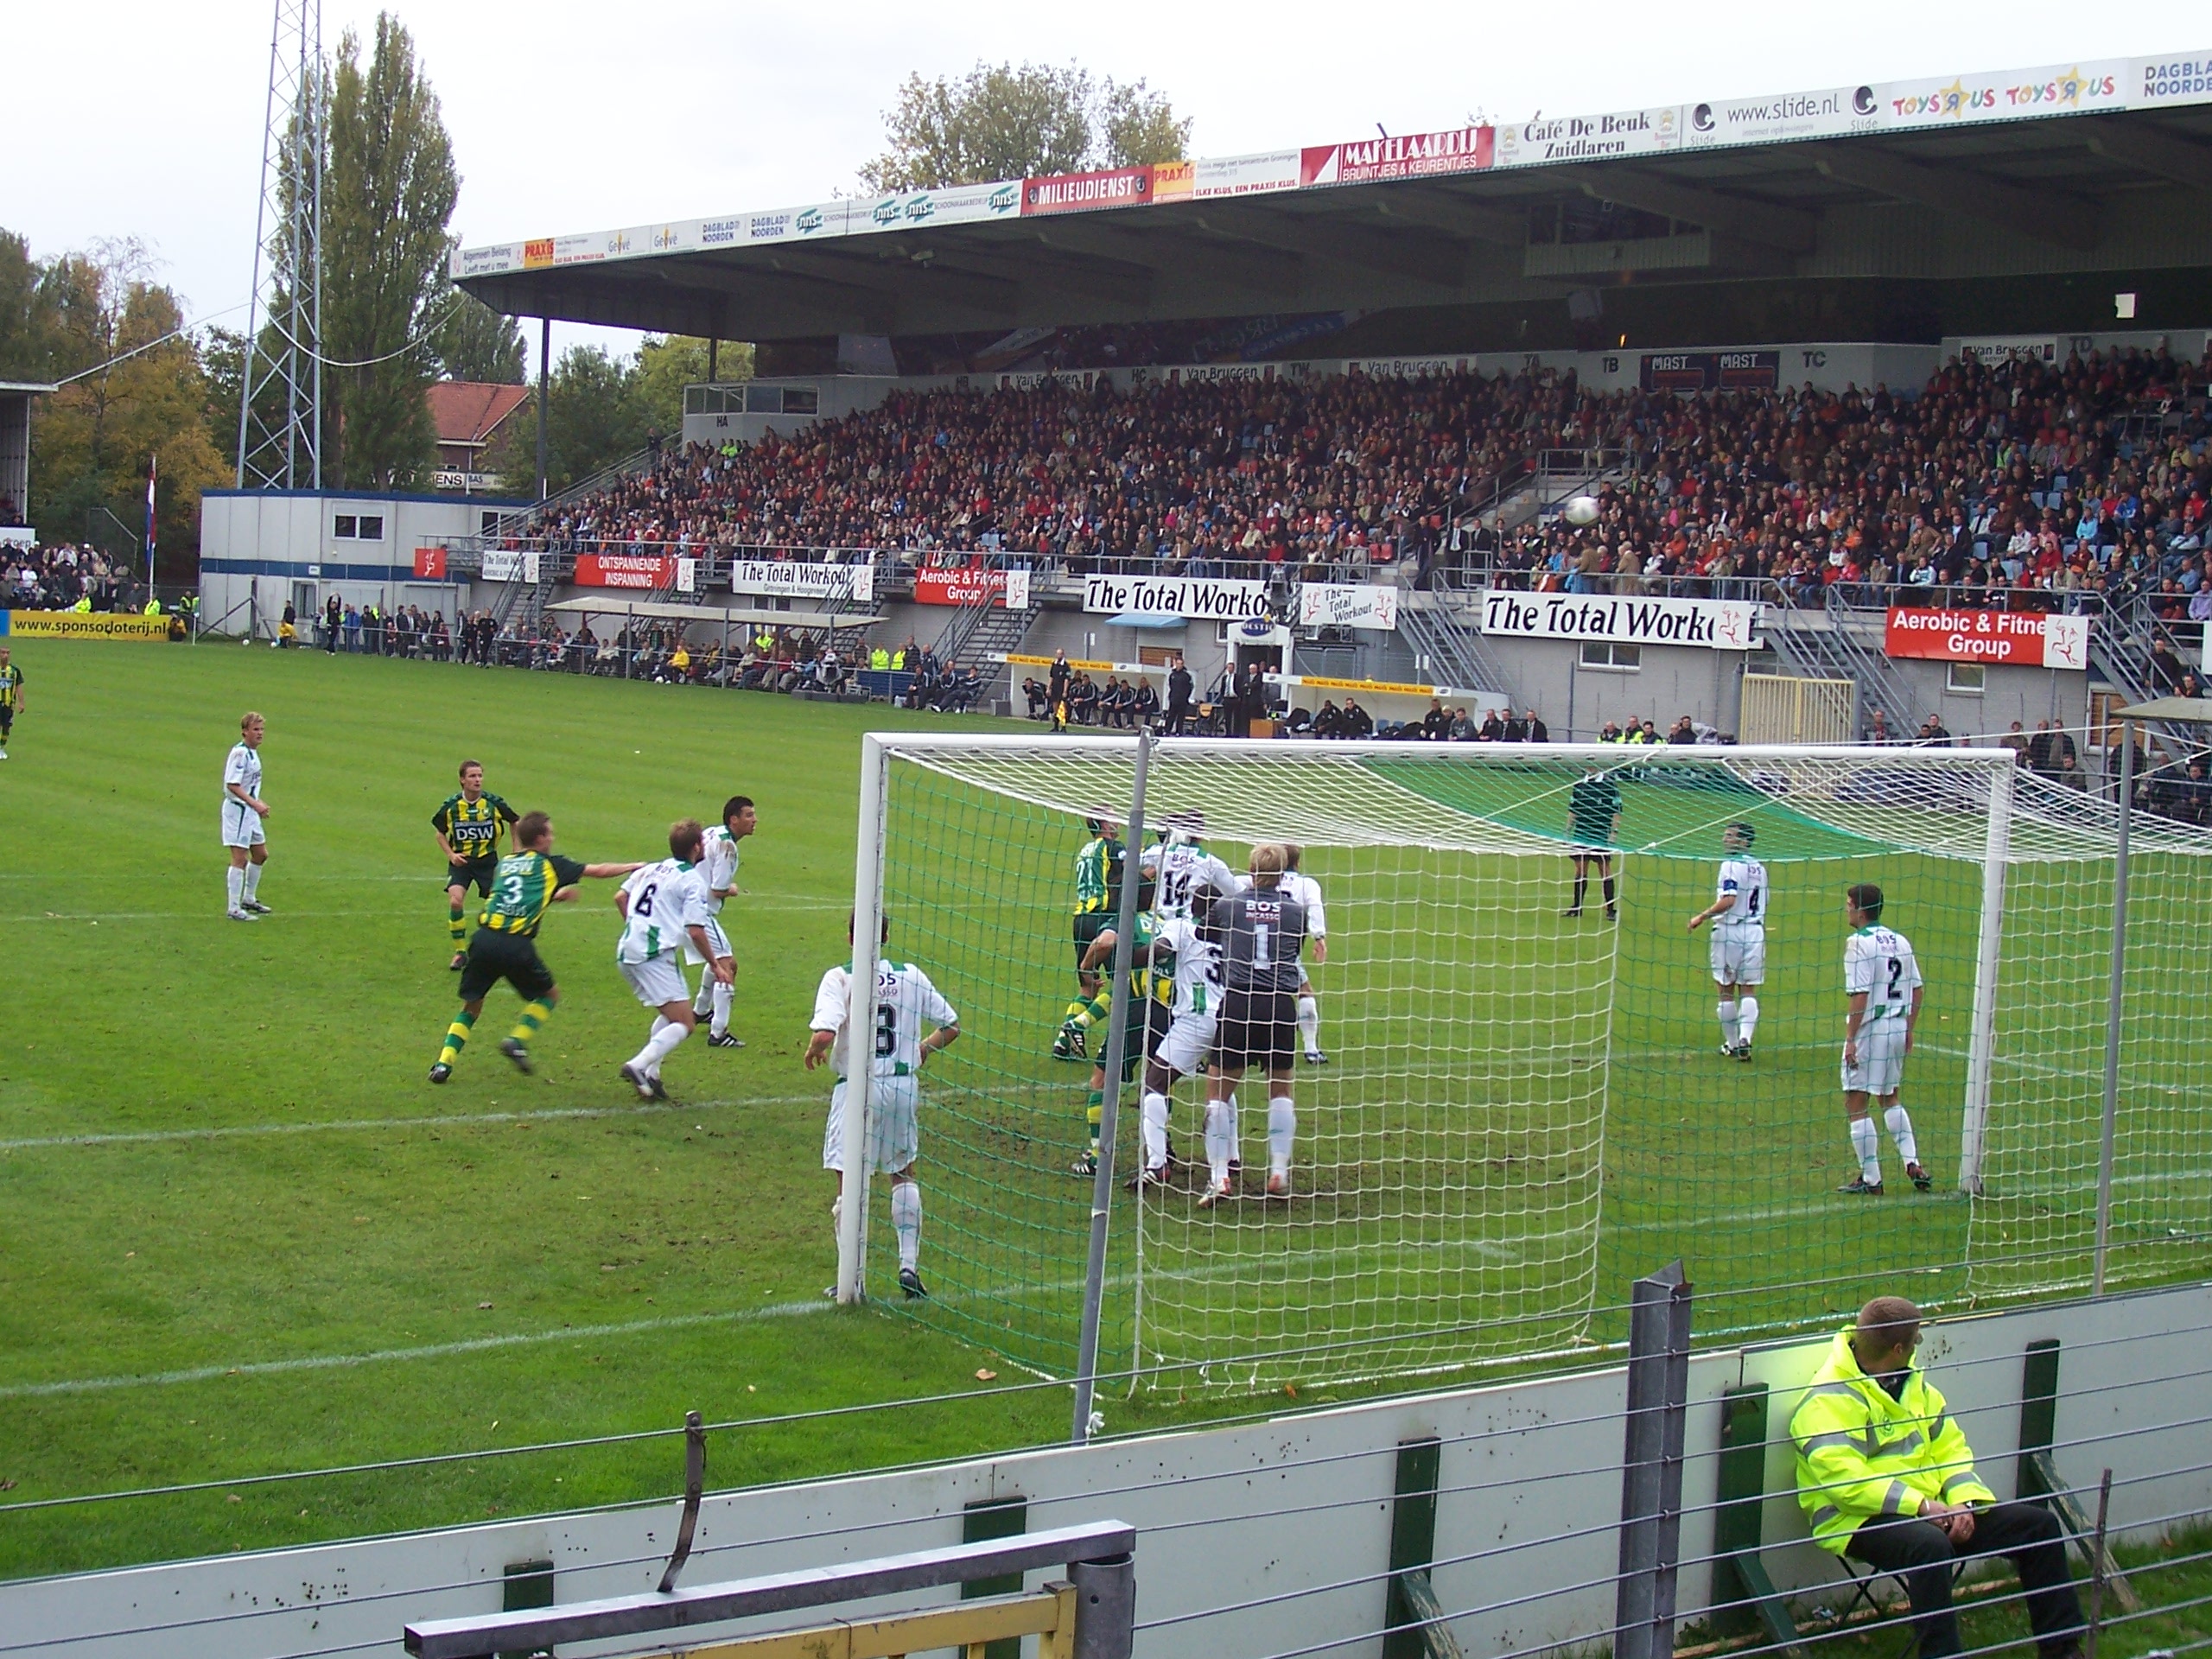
(389, 189)
(1002, 122)
(26, 312)
(474, 342)
(147, 396)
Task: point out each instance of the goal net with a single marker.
(1522, 1107)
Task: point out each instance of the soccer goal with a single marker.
(1521, 1107)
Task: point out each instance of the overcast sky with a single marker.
(144, 119)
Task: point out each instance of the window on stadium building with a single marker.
(1612, 653)
(341, 527)
(1969, 677)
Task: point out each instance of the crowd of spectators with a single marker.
(63, 576)
(2012, 482)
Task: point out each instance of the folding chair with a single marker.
(1863, 1579)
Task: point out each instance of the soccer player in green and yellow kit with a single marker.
(11, 698)
(468, 827)
(1097, 892)
(524, 887)
(1143, 1023)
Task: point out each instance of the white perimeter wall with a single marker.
(1529, 1496)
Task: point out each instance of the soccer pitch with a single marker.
(240, 1234)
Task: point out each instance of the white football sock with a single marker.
(1728, 1026)
(1236, 1129)
(1154, 1110)
(1221, 1145)
(1309, 1023)
(1867, 1142)
(1747, 1015)
(907, 1220)
(234, 883)
(705, 1000)
(1900, 1132)
(1282, 1131)
(837, 1224)
(663, 1043)
(252, 880)
(719, 1026)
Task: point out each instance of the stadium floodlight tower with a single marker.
(280, 411)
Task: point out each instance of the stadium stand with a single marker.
(58, 576)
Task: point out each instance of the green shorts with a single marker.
(477, 873)
(513, 957)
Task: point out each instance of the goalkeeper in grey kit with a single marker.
(1259, 934)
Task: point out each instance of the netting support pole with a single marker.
(2113, 997)
(1981, 1043)
(859, 1018)
(1102, 1185)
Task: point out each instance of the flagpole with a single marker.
(153, 471)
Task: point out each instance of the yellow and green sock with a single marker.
(1095, 1110)
(456, 1037)
(535, 1014)
(455, 925)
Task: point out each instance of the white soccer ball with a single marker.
(1582, 510)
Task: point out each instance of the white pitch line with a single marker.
(428, 1350)
(452, 1120)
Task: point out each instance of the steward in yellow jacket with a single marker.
(1884, 1475)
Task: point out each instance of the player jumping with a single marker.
(1098, 890)
(1143, 1023)
(718, 869)
(524, 887)
(1882, 981)
(1738, 913)
(468, 827)
(1182, 1052)
(904, 999)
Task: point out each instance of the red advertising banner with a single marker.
(620, 570)
(2027, 638)
(1082, 193)
(957, 587)
(1462, 149)
(430, 563)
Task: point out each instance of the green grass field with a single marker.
(240, 1234)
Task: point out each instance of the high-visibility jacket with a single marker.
(1862, 1454)
(879, 658)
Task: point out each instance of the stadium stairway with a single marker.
(1821, 646)
(1447, 647)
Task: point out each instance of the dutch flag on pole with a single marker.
(153, 470)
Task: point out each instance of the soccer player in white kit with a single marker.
(243, 811)
(1297, 884)
(905, 1001)
(664, 908)
(1182, 1049)
(1882, 981)
(1738, 913)
(718, 870)
(1182, 869)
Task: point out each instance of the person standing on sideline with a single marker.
(1882, 978)
(1179, 697)
(718, 869)
(243, 811)
(334, 618)
(890, 1030)
(524, 886)
(1884, 1476)
(11, 699)
(468, 827)
(1058, 680)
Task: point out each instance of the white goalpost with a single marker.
(1523, 1103)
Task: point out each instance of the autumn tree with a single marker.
(1002, 122)
(474, 342)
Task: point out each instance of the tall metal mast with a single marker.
(280, 414)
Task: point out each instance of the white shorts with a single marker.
(1188, 1041)
(716, 939)
(241, 825)
(658, 983)
(1740, 955)
(894, 1129)
(1881, 1059)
